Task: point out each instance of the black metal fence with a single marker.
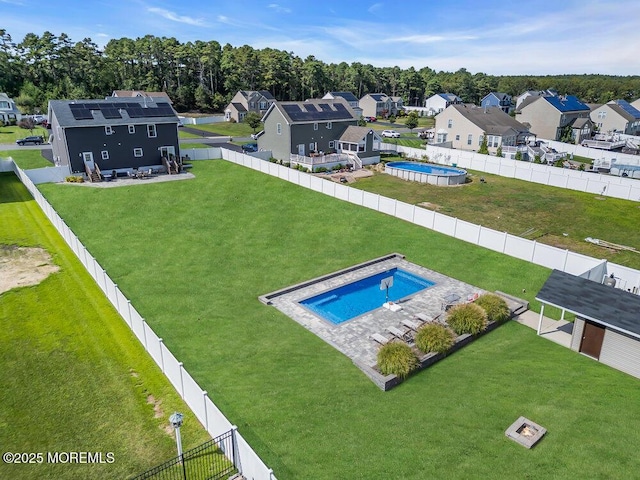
(212, 460)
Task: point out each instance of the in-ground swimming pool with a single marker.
(354, 299)
(427, 173)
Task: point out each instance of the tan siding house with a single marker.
(547, 116)
(465, 127)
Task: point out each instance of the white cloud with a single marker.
(375, 8)
(279, 8)
(174, 17)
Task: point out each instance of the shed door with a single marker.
(592, 337)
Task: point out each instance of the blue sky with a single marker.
(496, 37)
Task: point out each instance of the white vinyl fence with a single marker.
(249, 464)
(529, 250)
(599, 184)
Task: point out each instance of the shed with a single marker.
(607, 319)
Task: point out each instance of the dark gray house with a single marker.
(305, 129)
(114, 134)
(607, 319)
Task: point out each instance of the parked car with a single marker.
(36, 140)
(370, 119)
(249, 147)
(390, 134)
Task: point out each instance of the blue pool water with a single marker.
(354, 299)
(425, 168)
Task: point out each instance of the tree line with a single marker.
(204, 75)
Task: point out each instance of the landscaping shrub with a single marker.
(467, 318)
(74, 179)
(396, 358)
(495, 306)
(434, 337)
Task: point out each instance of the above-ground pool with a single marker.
(426, 173)
(354, 299)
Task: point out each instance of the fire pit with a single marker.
(525, 432)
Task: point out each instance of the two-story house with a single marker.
(438, 102)
(348, 97)
(380, 105)
(245, 101)
(497, 99)
(549, 116)
(9, 113)
(318, 132)
(114, 134)
(616, 116)
(465, 126)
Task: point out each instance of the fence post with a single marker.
(144, 335)
(161, 355)
(129, 313)
(504, 244)
(235, 457)
(115, 291)
(533, 250)
(180, 365)
(206, 415)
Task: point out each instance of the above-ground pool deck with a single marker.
(353, 337)
(426, 173)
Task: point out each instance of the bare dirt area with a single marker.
(24, 266)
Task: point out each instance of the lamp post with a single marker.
(176, 422)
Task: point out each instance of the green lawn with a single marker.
(516, 206)
(9, 134)
(75, 378)
(27, 159)
(226, 128)
(232, 234)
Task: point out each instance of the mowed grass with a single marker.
(226, 128)
(11, 133)
(74, 376)
(194, 256)
(554, 216)
(27, 159)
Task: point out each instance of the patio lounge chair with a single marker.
(399, 334)
(411, 325)
(382, 340)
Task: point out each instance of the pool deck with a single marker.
(353, 337)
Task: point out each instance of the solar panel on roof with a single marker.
(135, 112)
(111, 113)
(298, 115)
(82, 114)
(627, 107)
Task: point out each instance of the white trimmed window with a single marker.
(328, 125)
(104, 154)
(108, 130)
(457, 137)
(332, 144)
(279, 128)
(132, 128)
(312, 147)
(151, 131)
(480, 139)
(469, 139)
(263, 105)
(450, 123)
(137, 152)
(315, 126)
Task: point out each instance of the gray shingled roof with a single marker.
(65, 118)
(318, 111)
(348, 96)
(608, 306)
(492, 120)
(354, 134)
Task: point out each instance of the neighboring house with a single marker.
(348, 97)
(113, 134)
(380, 105)
(438, 102)
(308, 132)
(606, 325)
(141, 94)
(9, 113)
(465, 127)
(636, 104)
(549, 115)
(497, 99)
(616, 116)
(245, 101)
(534, 93)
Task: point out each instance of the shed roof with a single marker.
(608, 306)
